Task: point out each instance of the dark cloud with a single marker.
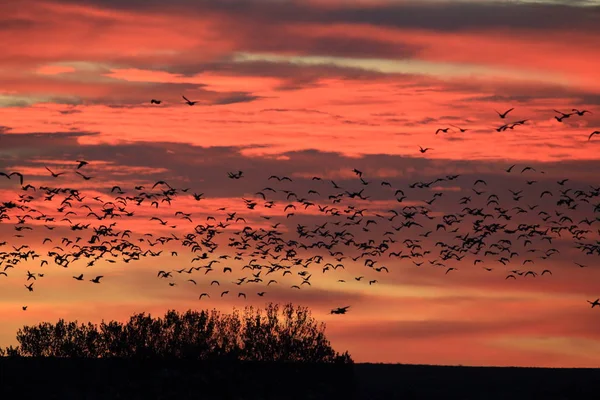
(439, 16)
(68, 112)
(43, 144)
(236, 98)
(207, 167)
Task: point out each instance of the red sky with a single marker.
(303, 89)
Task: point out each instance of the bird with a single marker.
(153, 101)
(79, 278)
(593, 133)
(82, 163)
(595, 303)
(445, 130)
(96, 279)
(87, 178)
(340, 310)
(462, 130)
(423, 150)
(190, 103)
(503, 115)
(563, 115)
(55, 175)
(581, 113)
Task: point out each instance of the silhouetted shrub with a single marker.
(285, 333)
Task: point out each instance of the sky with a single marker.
(304, 89)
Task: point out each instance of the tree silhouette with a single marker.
(279, 334)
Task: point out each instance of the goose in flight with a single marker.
(81, 163)
(96, 279)
(54, 175)
(593, 133)
(503, 115)
(340, 310)
(462, 130)
(563, 115)
(87, 178)
(423, 150)
(190, 103)
(580, 113)
(153, 101)
(9, 176)
(594, 303)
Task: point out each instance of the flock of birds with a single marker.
(489, 228)
(512, 125)
(502, 128)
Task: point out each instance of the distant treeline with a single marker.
(278, 334)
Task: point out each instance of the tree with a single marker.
(280, 334)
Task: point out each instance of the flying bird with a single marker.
(462, 130)
(340, 310)
(81, 163)
(55, 175)
(189, 103)
(595, 303)
(580, 113)
(503, 115)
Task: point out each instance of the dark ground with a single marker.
(126, 379)
(395, 381)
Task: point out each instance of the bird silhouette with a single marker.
(189, 103)
(340, 310)
(81, 163)
(504, 114)
(54, 175)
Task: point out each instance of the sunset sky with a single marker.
(313, 88)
